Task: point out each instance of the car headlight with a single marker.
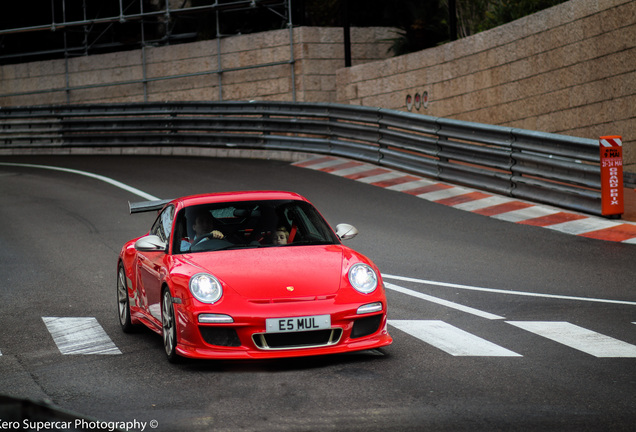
(363, 278)
(205, 288)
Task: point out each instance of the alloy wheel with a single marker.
(169, 329)
(123, 302)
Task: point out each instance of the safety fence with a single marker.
(555, 169)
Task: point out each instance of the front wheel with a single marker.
(123, 301)
(169, 328)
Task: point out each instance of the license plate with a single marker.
(295, 324)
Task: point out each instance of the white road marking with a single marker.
(582, 226)
(86, 336)
(574, 227)
(526, 214)
(500, 291)
(349, 171)
(79, 336)
(442, 302)
(444, 193)
(108, 180)
(381, 177)
(411, 185)
(327, 164)
(482, 203)
(451, 339)
(578, 338)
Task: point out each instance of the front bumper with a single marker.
(246, 337)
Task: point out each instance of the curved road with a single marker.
(497, 326)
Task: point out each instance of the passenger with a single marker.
(281, 236)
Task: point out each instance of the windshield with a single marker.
(250, 224)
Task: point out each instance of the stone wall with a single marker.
(570, 69)
(188, 71)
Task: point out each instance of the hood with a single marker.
(267, 273)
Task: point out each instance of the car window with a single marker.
(163, 225)
(250, 224)
(224, 212)
(301, 217)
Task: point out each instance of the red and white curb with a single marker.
(484, 203)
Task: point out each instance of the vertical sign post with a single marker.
(611, 149)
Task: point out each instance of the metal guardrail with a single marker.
(549, 168)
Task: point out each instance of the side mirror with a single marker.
(346, 231)
(150, 243)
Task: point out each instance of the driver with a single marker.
(204, 227)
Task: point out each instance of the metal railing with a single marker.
(143, 17)
(549, 168)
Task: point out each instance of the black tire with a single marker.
(123, 301)
(169, 327)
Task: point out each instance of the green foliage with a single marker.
(470, 14)
(500, 12)
(421, 23)
(474, 16)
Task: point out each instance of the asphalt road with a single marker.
(499, 285)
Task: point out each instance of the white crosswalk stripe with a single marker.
(451, 339)
(75, 335)
(79, 336)
(458, 342)
(578, 338)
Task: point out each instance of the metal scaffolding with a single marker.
(133, 18)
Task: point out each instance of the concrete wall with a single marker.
(317, 54)
(570, 69)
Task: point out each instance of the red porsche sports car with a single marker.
(249, 275)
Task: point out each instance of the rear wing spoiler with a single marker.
(146, 206)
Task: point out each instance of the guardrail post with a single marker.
(611, 154)
(172, 124)
(438, 150)
(380, 137)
